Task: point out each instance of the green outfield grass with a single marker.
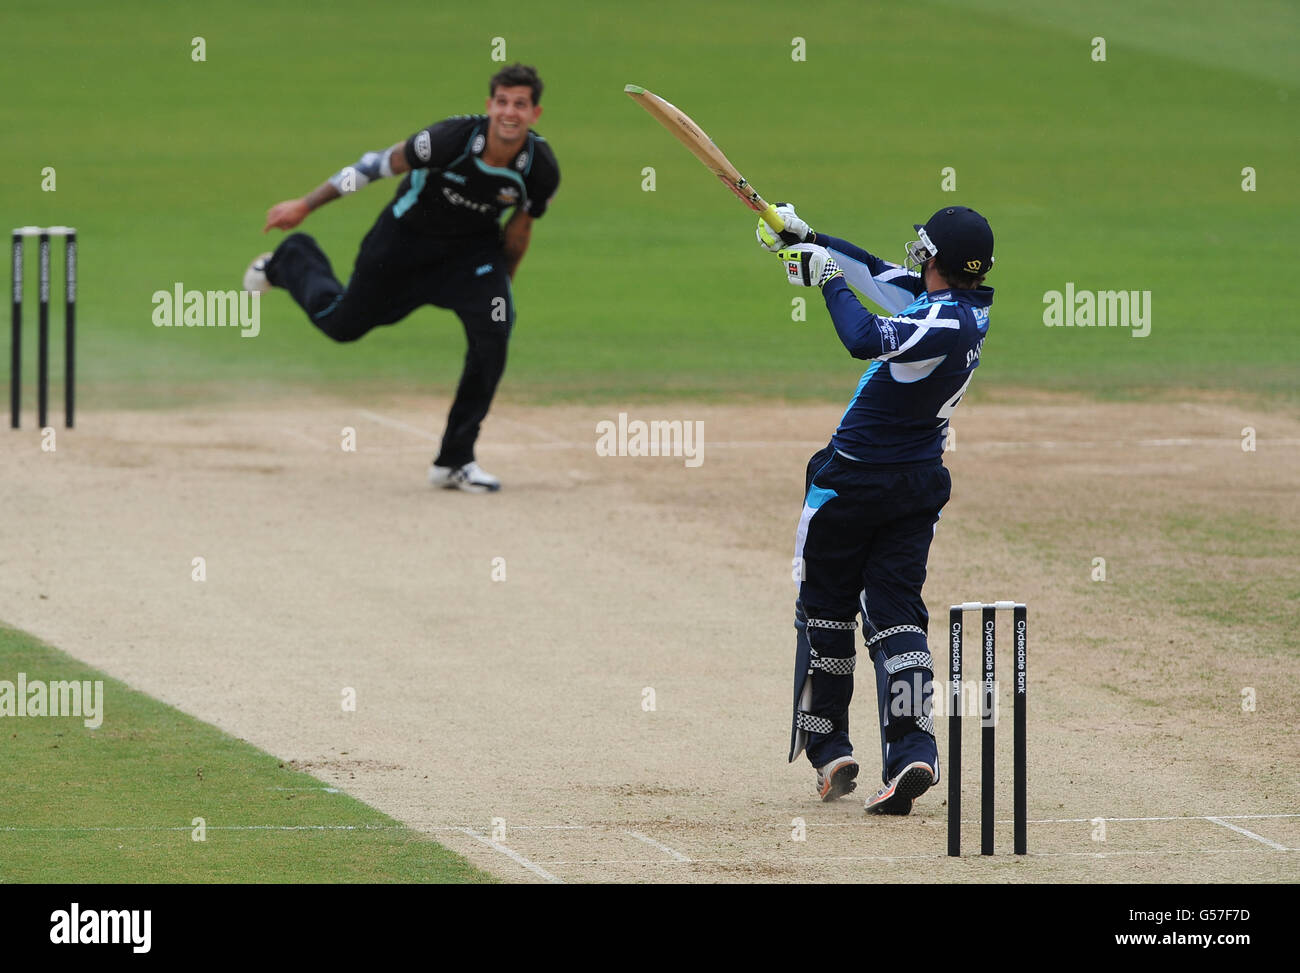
(1117, 175)
(117, 803)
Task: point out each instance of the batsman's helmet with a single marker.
(958, 238)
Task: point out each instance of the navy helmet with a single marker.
(958, 238)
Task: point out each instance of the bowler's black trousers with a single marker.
(399, 269)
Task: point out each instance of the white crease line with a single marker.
(1184, 817)
(367, 450)
(972, 859)
(707, 445)
(1249, 834)
(416, 826)
(398, 424)
(552, 442)
(513, 827)
(555, 443)
(621, 861)
(676, 855)
(1181, 817)
(1216, 411)
(771, 862)
(1140, 854)
(226, 827)
(514, 856)
(1087, 444)
(591, 445)
(535, 430)
(966, 444)
(1178, 817)
(1214, 442)
(304, 437)
(487, 447)
(765, 444)
(600, 826)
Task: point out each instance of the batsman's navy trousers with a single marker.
(399, 269)
(863, 540)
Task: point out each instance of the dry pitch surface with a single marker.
(526, 699)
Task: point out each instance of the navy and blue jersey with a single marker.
(922, 356)
(451, 192)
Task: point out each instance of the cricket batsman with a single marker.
(873, 495)
(439, 241)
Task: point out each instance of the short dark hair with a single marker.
(515, 75)
(960, 279)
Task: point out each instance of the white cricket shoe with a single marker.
(255, 276)
(469, 478)
(837, 778)
(911, 782)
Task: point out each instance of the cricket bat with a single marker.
(701, 146)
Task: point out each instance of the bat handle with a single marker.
(772, 218)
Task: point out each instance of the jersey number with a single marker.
(947, 409)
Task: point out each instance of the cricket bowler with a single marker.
(873, 495)
(439, 241)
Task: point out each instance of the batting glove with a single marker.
(808, 265)
(796, 230)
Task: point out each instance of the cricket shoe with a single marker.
(469, 478)
(837, 778)
(896, 797)
(255, 276)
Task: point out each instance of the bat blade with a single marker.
(686, 131)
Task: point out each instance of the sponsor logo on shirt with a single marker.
(423, 146)
(522, 160)
(477, 146)
(456, 199)
(888, 335)
(454, 177)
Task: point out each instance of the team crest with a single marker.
(508, 196)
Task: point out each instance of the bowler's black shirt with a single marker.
(451, 192)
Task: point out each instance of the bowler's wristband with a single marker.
(371, 166)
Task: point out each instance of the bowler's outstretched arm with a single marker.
(287, 215)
